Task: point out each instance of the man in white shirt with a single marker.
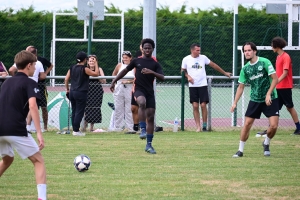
(194, 67)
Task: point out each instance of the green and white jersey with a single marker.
(258, 76)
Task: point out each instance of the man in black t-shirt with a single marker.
(19, 96)
(146, 70)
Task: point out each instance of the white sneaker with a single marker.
(79, 133)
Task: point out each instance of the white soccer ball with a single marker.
(82, 163)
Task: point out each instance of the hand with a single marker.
(40, 140)
(146, 71)
(232, 108)
(112, 87)
(190, 80)
(228, 74)
(268, 100)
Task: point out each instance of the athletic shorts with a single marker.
(255, 109)
(150, 99)
(199, 94)
(25, 146)
(133, 101)
(44, 95)
(285, 98)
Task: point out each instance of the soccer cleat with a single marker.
(238, 154)
(204, 129)
(79, 133)
(297, 132)
(111, 105)
(130, 132)
(266, 149)
(261, 134)
(150, 149)
(143, 134)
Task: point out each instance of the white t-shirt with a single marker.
(130, 73)
(38, 69)
(195, 67)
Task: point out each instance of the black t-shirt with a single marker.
(14, 105)
(46, 64)
(79, 79)
(144, 81)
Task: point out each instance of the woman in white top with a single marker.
(122, 95)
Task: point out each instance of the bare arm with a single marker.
(12, 70)
(103, 81)
(90, 72)
(238, 95)
(49, 69)
(283, 75)
(116, 70)
(219, 69)
(268, 99)
(36, 120)
(160, 77)
(67, 78)
(42, 76)
(119, 76)
(187, 76)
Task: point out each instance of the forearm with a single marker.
(120, 75)
(160, 77)
(238, 95)
(35, 117)
(272, 87)
(67, 84)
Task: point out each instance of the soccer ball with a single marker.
(82, 163)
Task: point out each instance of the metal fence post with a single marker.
(209, 105)
(182, 100)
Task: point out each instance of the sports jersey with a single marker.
(257, 75)
(144, 81)
(195, 68)
(283, 62)
(46, 64)
(14, 107)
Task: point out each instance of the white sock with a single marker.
(42, 191)
(241, 146)
(267, 141)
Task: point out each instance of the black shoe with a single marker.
(261, 134)
(111, 105)
(158, 129)
(204, 129)
(238, 154)
(297, 132)
(266, 149)
(150, 149)
(130, 132)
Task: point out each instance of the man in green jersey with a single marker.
(260, 74)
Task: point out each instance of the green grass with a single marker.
(187, 165)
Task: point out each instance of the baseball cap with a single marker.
(81, 56)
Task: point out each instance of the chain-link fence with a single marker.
(169, 97)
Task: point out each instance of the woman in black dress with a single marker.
(95, 96)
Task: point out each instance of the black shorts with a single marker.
(285, 98)
(133, 101)
(199, 94)
(150, 99)
(44, 95)
(255, 109)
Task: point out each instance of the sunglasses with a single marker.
(127, 53)
(94, 56)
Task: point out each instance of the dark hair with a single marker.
(23, 58)
(32, 49)
(252, 45)
(127, 53)
(194, 45)
(278, 42)
(148, 40)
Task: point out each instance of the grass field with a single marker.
(187, 165)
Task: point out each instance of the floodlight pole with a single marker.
(90, 33)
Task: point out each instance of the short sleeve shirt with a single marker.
(258, 76)
(284, 62)
(144, 81)
(14, 105)
(195, 67)
(38, 69)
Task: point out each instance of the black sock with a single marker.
(136, 127)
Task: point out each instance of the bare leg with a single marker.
(246, 129)
(45, 117)
(5, 163)
(273, 121)
(39, 167)
(294, 114)
(150, 120)
(204, 112)
(142, 108)
(92, 127)
(196, 115)
(135, 114)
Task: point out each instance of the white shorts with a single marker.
(25, 146)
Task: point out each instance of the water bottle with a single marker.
(175, 125)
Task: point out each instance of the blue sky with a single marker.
(51, 5)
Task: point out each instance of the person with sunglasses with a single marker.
(79, 75)
(95, 95)
(122, 96)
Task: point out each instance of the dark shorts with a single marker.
(150, 99)
(199, 94)
(285, 98)
(255, 109)
(133, 101)
(44, 95)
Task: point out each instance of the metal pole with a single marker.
(149, 21)
(182, 100)
(90, 33)
(44, 38)
(209, 105)
(235, 53)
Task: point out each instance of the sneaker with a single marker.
(79, 133)
(111, 105)
(297, 132)
(266, 149)
(150, 149)
(261, 134)
(238, 154)
(204, 130)
(143, 134)
(130, 132)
